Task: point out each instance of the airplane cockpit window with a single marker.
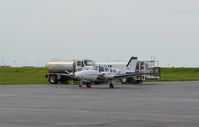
(89, 63)
(79, 63)
(101, 69)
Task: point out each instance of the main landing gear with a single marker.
(111, 85)
(88, 85)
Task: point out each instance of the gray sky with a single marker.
(34, 31)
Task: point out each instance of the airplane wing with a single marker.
(104, 76)
(128, 75)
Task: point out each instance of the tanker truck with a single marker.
(60, 70)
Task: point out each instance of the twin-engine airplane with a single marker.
(106, 74)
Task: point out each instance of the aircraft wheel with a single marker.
(88, 85)
(111, 86)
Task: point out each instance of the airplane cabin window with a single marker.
(101, 69)
(106, 69)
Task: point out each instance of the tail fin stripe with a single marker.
(130, 60)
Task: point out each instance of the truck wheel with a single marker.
(123, 81)
(53, 79)
(137, 81)
(130, 80)
(140, 82)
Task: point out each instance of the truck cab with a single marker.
(85, 64)
(60, 70)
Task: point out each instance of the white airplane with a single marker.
(106, 73)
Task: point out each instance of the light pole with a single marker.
(14, 63)
(2, 62)
(26, 63)
(38, 63)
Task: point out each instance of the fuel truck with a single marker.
(60, 70)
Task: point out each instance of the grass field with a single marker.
(179, 74)
(23, 75)
(33, 75)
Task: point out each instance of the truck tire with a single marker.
(130, 80)
(138, 81)
(53, 79)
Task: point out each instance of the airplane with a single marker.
(106, 73)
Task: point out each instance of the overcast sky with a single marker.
(34, 31)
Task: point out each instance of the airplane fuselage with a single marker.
(106, 73)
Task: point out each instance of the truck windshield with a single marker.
(89, 63)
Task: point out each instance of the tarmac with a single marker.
(152, 104)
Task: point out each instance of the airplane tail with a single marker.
(131, 66)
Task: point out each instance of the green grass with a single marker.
(179, 74)
(33, 75)
(23, 75)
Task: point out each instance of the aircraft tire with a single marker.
(111, 86)
(88, 85)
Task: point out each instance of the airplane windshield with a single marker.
(101, 69)
(89, 63)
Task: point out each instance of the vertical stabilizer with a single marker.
(131, 66)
